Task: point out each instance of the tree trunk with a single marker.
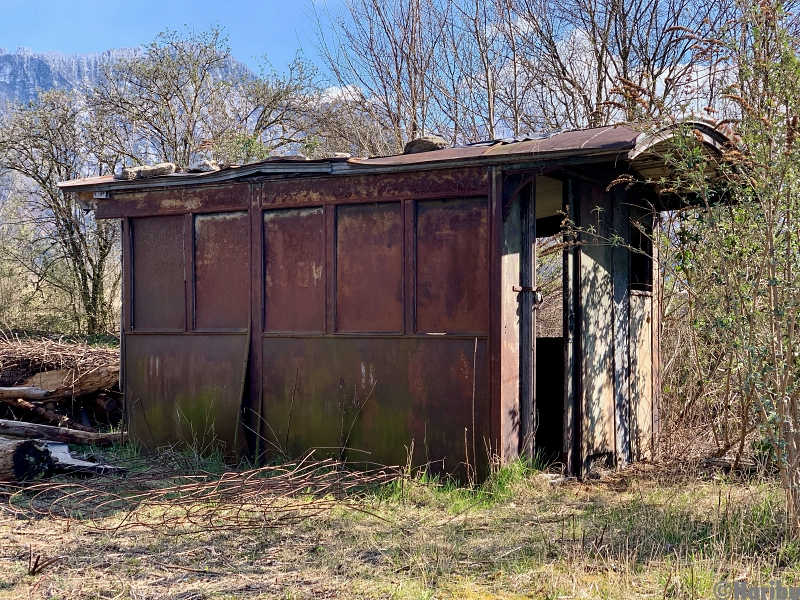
(58, 434)
(66, 383)
(23, 459)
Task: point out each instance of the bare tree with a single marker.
(382, 55)
(601, 61)
(172, 97)
(54, 139)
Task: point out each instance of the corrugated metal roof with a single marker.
(601, 141)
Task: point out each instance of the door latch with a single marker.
(537, 294)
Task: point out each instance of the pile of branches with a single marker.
(186, 503)
(58, 383)
(21, 358)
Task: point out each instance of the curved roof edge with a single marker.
(718, 135)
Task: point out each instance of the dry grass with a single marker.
(646, 531)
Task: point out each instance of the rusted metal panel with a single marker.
(600, 138)
(379, 397)
(222, 271)
(597, 326)
(450, 183)
(641, 306)
(452, 266)
(175, 200)
(159, 296)
(185, 389)
(251, 400)
(369, 268)
(294, 260)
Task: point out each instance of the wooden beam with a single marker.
(26, 393)
(58, 434)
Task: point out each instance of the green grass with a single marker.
(642, 532)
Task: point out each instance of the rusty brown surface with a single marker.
(369, 268)
(175, 200)
(159, 300)
(452, 257)
(222, 271)
(601, 138)
(377, 396)
(185, 389)
(508, 406)
(450, 183)
(294, 257)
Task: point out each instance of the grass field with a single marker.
(647, 531)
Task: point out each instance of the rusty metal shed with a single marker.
(385, 306)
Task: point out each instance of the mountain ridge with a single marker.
(24, 72)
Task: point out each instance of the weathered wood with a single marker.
(58, 434)
(49, 415)
(107, 403)
(66, 383)
(24, 392)
(23, 459)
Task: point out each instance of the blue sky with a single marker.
(272, 27)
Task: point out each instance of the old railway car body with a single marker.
(376, 308)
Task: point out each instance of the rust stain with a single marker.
(369, 268)
(222, 271)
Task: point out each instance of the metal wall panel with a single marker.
(175, 200)
(444, 183)
(510, 352)
(185, 389)
(222, 271)
(452, 256)
(641, 377)
(421, 393)
(159, 293)
(294, 258)
(369, 268)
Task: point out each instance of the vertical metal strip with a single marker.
(330, 268)
(495, 326)
(126, 309)
(188, 270)
(570, 316)
(255, 359)
(409, 269)
(527, 338)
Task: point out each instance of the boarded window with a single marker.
(369, 268)
(294, 254)
(221, 267)
(452, 266)
(159, 297)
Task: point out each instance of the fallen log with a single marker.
(23, 459)
(48, 415)
(66, 383)
(58, 434)
(26, 393)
